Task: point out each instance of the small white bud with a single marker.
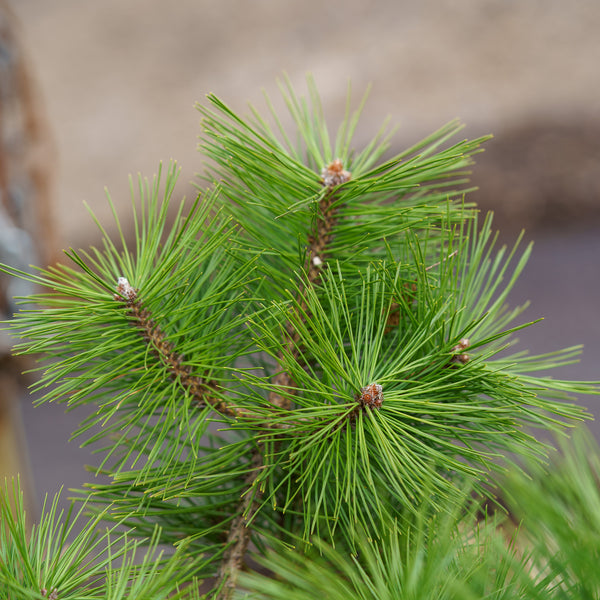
(463, 344)
(317, 261)
(124, 289)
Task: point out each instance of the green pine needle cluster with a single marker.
(464, 553)
(317, 352)
(59, 557)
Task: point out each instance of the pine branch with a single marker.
(198, 388)
(239, 534)
(333, 175)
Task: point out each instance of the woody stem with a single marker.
(318, 240)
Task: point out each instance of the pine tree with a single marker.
(307, 373)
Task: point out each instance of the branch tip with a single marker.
(458, 356)
(334, 174)
(125, 291)
(370, 396)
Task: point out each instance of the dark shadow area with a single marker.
(542, 176)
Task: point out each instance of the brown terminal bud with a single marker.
(370, 396)
(462, 359)
(334, 174)
(459, 357)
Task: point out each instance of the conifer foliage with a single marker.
(311, 366)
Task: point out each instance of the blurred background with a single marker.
(95, 91)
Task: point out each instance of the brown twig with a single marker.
(238, 537)
(318, 241)
(201, 390)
